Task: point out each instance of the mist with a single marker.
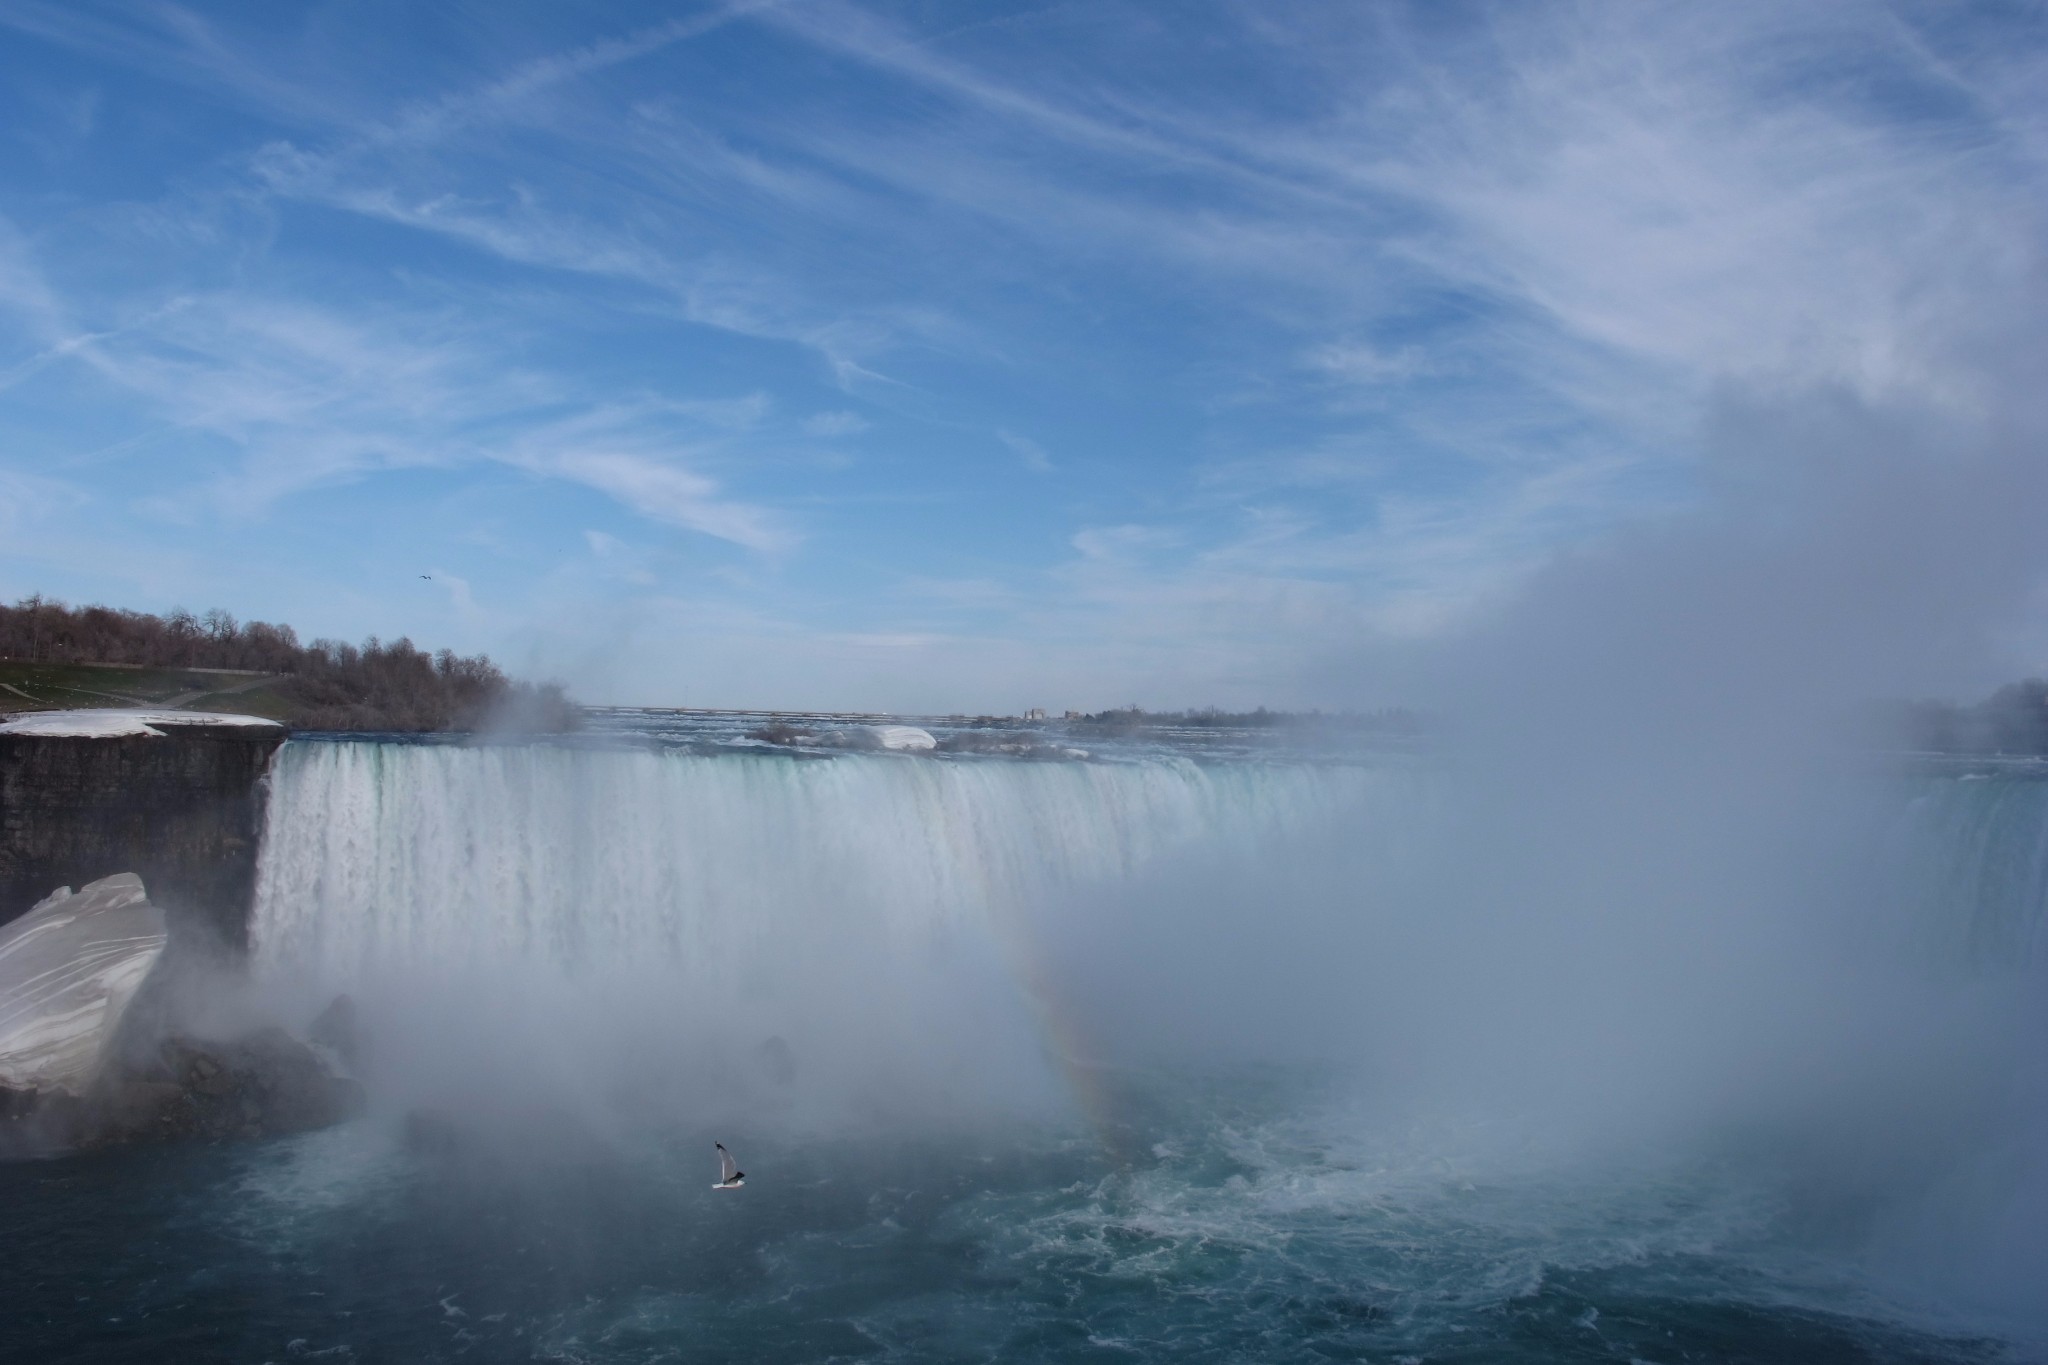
(1594, 958)
(1663, 898)
(1655, 914)
(1670, 900)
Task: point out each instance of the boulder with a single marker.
(265, 1084)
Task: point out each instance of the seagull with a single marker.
(429, 577)
(730, 1176)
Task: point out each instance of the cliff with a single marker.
(175, 797)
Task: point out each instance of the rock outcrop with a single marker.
(265, 1084)
(173, 796)
(81, 1068)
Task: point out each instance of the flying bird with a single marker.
(429, 577)
(730, 1176)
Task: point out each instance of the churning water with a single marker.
(1089, 1060)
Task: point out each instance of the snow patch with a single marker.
(120, 723)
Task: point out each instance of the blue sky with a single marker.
(958, 356)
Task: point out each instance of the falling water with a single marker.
(382, 854)
(890, 921)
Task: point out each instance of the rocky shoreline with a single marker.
(266, 1084)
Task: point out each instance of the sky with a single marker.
(971, 357)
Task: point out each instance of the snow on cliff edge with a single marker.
(119, 723)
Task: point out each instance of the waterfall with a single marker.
(949, 917)
(1968, 858)
(396, 854)
(870, 908)
(388, 856)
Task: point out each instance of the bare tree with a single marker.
(336, 686)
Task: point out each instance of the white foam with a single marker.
(121, 722)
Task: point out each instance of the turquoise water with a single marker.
(1236, 1236)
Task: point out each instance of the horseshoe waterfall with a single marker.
(1152, 1053)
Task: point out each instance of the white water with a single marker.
(887, 917)
(391, 855)
(1968, 871)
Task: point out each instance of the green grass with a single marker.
(57, 687)
(263, 701)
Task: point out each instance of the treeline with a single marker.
(330, 685)
(1389, 721)
(2012, 720)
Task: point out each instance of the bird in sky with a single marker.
(730, 1176)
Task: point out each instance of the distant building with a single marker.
(1035, 713)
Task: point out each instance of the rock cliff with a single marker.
(175, 797)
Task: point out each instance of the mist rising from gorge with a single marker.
(1645, 906)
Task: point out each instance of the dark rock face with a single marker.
(266, 1084)
(183, 809)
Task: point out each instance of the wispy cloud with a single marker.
(1328, 319)
(1029, 451)
(173, 42)
(23, 290)
(27, 498)
(836, 423)
(669, 493)
(1363, 363)
(459, 593)
(309, 397)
